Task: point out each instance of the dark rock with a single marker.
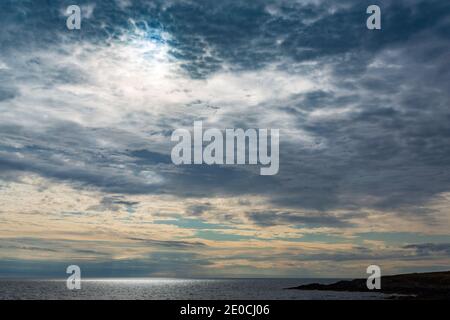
(433, 285)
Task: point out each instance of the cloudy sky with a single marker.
(86, 118)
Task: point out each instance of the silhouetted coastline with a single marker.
(432, 285)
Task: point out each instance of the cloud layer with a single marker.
(86, 119)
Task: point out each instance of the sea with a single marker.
(174, 289)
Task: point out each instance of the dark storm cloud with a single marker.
(149, 157)
(199, 209)
(114, 203)
(427, 249)
(57, 151)
(357, 253)
(394, 146)
(244, 34)
(268, 219)
(7, 93)
(53, 247)
(331, 257)
(250, 34)
(169, 244)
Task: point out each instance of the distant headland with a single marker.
(432, 285)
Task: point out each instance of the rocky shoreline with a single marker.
(424, 286)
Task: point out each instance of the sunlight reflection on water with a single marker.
(173, 289)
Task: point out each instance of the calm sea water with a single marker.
(174, 289)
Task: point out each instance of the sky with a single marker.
(86, 118)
